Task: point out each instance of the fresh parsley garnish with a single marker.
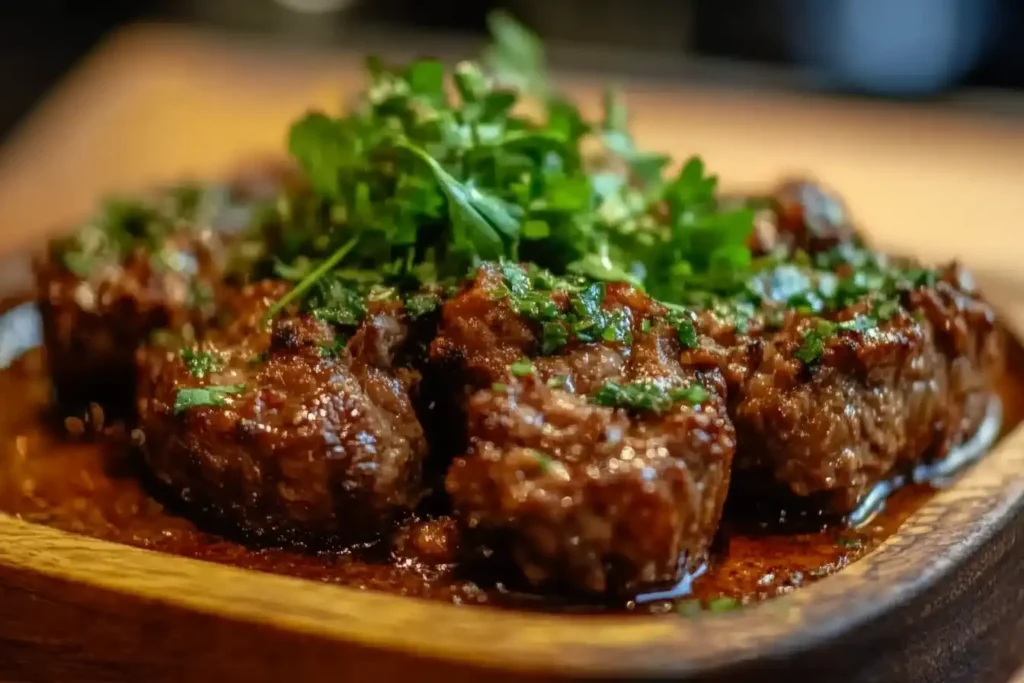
(214, 396)
(201, 363)
(420, 304)
(334, 348)
(647, 395)
(521, 367)
(554, 336)
(686, 331)
(815, 337)
(417, 186)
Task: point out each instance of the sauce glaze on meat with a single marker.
(539, 434)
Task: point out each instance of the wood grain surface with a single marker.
(942, 600)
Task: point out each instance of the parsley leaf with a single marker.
(648, 395)
(554, 336)
(213, 396)
(521, 367)
(517, 56)
(422, 303)
(201, 363)
(813, 345)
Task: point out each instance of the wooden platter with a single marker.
(941, 600)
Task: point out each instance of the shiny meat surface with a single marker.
(588, 498)
(309, 439)
(136, 269)
(573, 431)
(876, 403)
(93, 326)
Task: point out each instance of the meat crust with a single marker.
(587, 498)
(315, 443)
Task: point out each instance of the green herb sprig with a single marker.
(415, 186)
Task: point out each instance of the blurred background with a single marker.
(963, 52)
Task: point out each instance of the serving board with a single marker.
(943, 600)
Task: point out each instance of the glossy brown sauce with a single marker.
(92, 486)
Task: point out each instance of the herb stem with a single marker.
(311, 279)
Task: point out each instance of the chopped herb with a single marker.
(543, 460)
(723, 604)
(421, 304)
(682, 320)
(851, 542)
(645, 326)
(499, 388)
(646, 395)
(213, 396)
(310, 280)
(886, 309)
(201, 363)
(521, 367)
(814, 338)
(336, 302)
(813, 345)
(553, 337)
(334, 348)
(558, 382)
(517, 280)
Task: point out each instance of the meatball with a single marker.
(138, 268)
(877, 401)
(600, 467)
(302, 440)
(588, 498)
(803, 215)
(93, 325)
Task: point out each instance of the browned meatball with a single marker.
(589, 498)
(93, 325)
(137, 268)
(301, 440)
(876, 402)
(585, 497)
(803, 215)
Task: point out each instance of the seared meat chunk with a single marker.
(93, 325)
(803, 215)
(599, 468)
(139, 267)
(589, 498)
(306, 439)
(830, 409)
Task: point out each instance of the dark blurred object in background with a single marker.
(909, 47)
(883, 47)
